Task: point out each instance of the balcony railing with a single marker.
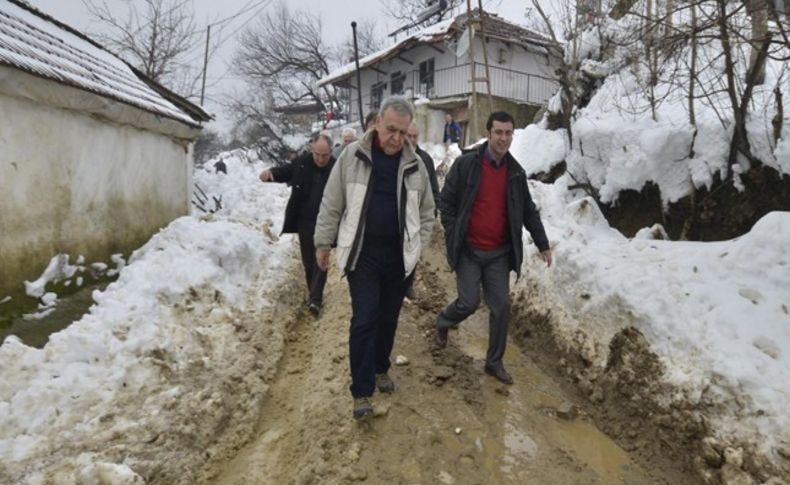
(454, 81)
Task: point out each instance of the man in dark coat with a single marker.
(414, 137)
(484, 204)
(452, 130)
(307, 175)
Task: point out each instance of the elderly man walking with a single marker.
(379, 210)
(485, 203)
(307, 175)
(349, 135)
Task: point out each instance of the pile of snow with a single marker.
(163, 362)
(539, 149)
(716, 314)
(617, 145)
(443, 155)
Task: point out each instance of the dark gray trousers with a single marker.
(314, 277)
(492, 269)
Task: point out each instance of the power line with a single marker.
(258, 8)
(243, 10)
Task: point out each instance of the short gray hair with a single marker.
(399, 104)
(349, 131)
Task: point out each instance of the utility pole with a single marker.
(471, 23)
(359, 77)
(205, 66)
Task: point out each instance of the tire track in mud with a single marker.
(447, 421)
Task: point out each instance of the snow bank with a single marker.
(716, 314)
(539, 149)
(161, 359)
(618, 146)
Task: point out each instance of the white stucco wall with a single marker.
(74, 183)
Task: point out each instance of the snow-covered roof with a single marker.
(495, 28)
(40, 45)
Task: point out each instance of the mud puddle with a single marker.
(69, 309)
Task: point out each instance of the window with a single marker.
(377, 95)
(426, 77)
(396, 82)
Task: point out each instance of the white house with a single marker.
(94, 157)
(433, 67)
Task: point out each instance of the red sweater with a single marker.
(488, 220)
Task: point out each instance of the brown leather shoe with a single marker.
(441, 337)
(500, 374)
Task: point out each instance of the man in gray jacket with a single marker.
(378, 209)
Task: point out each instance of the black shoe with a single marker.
(315, 309)
(500, 374)
(363, 408)
(441, 337)
(385, 383)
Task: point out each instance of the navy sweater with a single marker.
(382, 218)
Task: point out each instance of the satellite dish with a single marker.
(463, 44)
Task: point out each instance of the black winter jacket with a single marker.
(458, 196)
(428, 162)
(300, 175)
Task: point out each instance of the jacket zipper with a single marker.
(353, 256)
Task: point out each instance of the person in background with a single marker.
(452, 130)
(485, 203)
(414, 137)
(379, 209)
(349, 135)
(221, 167)
(370, 120)
(307, 175)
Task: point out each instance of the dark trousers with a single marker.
(377, 287)
(492, 269)
(315, 278)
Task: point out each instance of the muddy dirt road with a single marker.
(447, 422)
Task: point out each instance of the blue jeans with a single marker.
(378, 286)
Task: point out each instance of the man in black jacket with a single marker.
(307, 176)
(484, 204)
(414, 137)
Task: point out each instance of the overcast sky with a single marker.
(336, 16)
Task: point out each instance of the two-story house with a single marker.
(433, 67)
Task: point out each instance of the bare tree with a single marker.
(567, 54)
(408, 11)
(285, 52)
(154, 36)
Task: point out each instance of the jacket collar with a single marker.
(513, 166)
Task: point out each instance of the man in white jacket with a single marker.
(378, 210)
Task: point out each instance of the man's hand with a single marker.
(546, 255)
(266, 176)
(322, 258)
